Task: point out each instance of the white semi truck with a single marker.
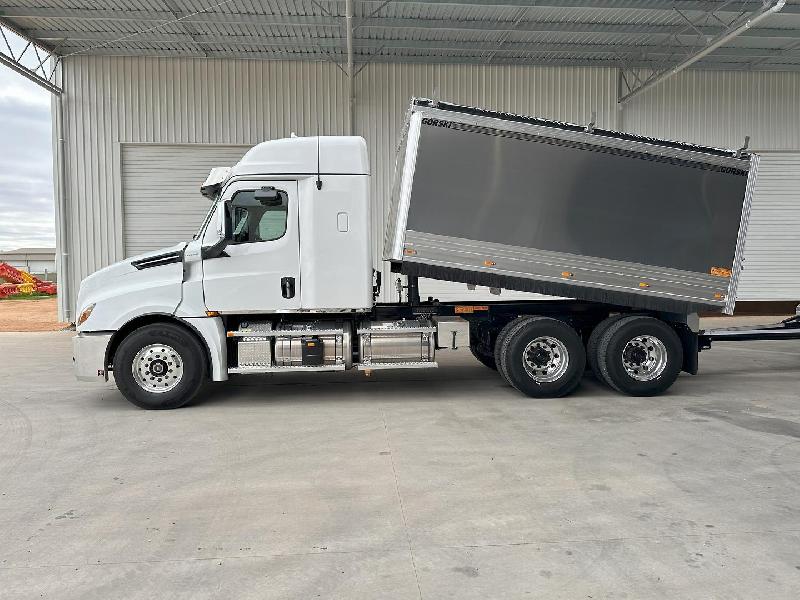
(640, 234)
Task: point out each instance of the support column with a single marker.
(64, 273)
(351, 83)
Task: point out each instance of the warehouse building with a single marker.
(38, 261)
(147, 99)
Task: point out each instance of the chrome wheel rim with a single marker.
(545, 359)
(157, 368)
(644, 357)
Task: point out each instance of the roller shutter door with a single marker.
(772, 253)
(161, 197)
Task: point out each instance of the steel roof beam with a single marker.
(529, 26)
(156, 16)
(389, 58)
(533, 26)
(719, 6)
(142, 16)
(59, 34)
(188, 28)
(509, 47)
(735, 28)
(40, 62)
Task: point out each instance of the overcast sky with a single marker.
(26, 164)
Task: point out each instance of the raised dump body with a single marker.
(527, 204)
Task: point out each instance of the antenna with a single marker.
(319, 180)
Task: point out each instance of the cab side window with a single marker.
(255, 220)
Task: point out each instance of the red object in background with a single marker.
(21, 282)
(7, 289)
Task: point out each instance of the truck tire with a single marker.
(485, 359)
(543, 357)
(159, 366)
(594, 342)
(640, 356)
(498, 345)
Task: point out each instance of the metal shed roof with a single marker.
(647, 33)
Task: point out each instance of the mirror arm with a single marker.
(215, 251)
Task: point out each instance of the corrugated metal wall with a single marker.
(115, 100)
(720, 108)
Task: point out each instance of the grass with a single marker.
(34, 296)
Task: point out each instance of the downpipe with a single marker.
(64, 275)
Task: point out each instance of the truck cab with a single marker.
(288, 233)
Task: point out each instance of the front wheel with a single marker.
(640, 356)
(543, 357)
(159, 366)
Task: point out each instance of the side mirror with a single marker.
(267, 196)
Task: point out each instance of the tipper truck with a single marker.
(631, 236)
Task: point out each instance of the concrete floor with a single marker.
(439, 484)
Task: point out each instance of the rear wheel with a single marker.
(498, 345)
(485, 358)
(543, 357)
(594, 342)
(159, 366)
(640, 356)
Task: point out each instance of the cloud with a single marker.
(26, 164)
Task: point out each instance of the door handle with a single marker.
(287, 287)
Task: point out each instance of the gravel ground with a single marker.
(30, 315)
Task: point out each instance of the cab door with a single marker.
(259, 269)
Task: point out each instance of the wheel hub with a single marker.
(540, 357)
(157, 368)
(636, 355)
(644, 358)
(545, 359)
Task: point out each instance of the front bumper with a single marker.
(89, 355)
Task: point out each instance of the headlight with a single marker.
(85, 314)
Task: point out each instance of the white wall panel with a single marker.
(720, 108)
(772, 254)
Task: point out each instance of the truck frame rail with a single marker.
(788, 329)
